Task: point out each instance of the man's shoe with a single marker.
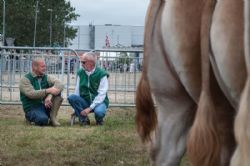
(99, 122)
(86, 122)
(28, 122)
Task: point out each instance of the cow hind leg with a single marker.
(242, 124)
(175, 116)
(225, 114)
(241, 155)
(211, 139)
(175, 108)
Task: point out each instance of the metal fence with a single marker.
(124, 67)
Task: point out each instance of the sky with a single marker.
(116, 12)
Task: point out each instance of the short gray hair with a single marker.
(91, 56)
(37, 59)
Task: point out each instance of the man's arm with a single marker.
(55, 83)
(27, 89)
(102, 92)
(56, 89)
(77, 90)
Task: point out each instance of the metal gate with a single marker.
(124, 67)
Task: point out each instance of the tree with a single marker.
(124, 58)
(20, 22)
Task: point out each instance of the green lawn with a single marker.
(114, 144)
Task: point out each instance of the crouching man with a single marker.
(40, 95)
(91, 91)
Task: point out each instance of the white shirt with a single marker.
(102, 89)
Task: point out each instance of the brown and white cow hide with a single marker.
(183, 39)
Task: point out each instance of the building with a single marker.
(108, 36)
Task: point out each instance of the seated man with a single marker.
(40, 95)
(91, 91)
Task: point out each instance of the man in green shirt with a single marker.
(40, 95)
(91, 91)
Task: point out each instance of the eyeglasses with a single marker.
(83, 62)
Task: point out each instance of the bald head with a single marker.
(37, 61)
(39, 66)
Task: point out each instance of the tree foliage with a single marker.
(124, 58)
(20, 22)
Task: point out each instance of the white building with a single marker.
(108, 36)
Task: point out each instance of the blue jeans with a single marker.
(38, 114)
(79, 104)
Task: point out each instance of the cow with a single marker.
(193, 74)
(241, 127)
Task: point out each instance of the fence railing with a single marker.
(124, 67)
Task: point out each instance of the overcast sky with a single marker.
(119, 12)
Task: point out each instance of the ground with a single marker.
(116, 143)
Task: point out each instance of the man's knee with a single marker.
(72, 98)
(100, 113)
(38, 115)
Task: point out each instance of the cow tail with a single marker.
(203, 142)
(242, 121)
(146, 119)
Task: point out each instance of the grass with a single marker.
(114, 144)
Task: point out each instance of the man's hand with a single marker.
(53, 91)
(48, 102)
(86, 111)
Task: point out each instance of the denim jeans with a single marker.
(38, 114)
(79, 104)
